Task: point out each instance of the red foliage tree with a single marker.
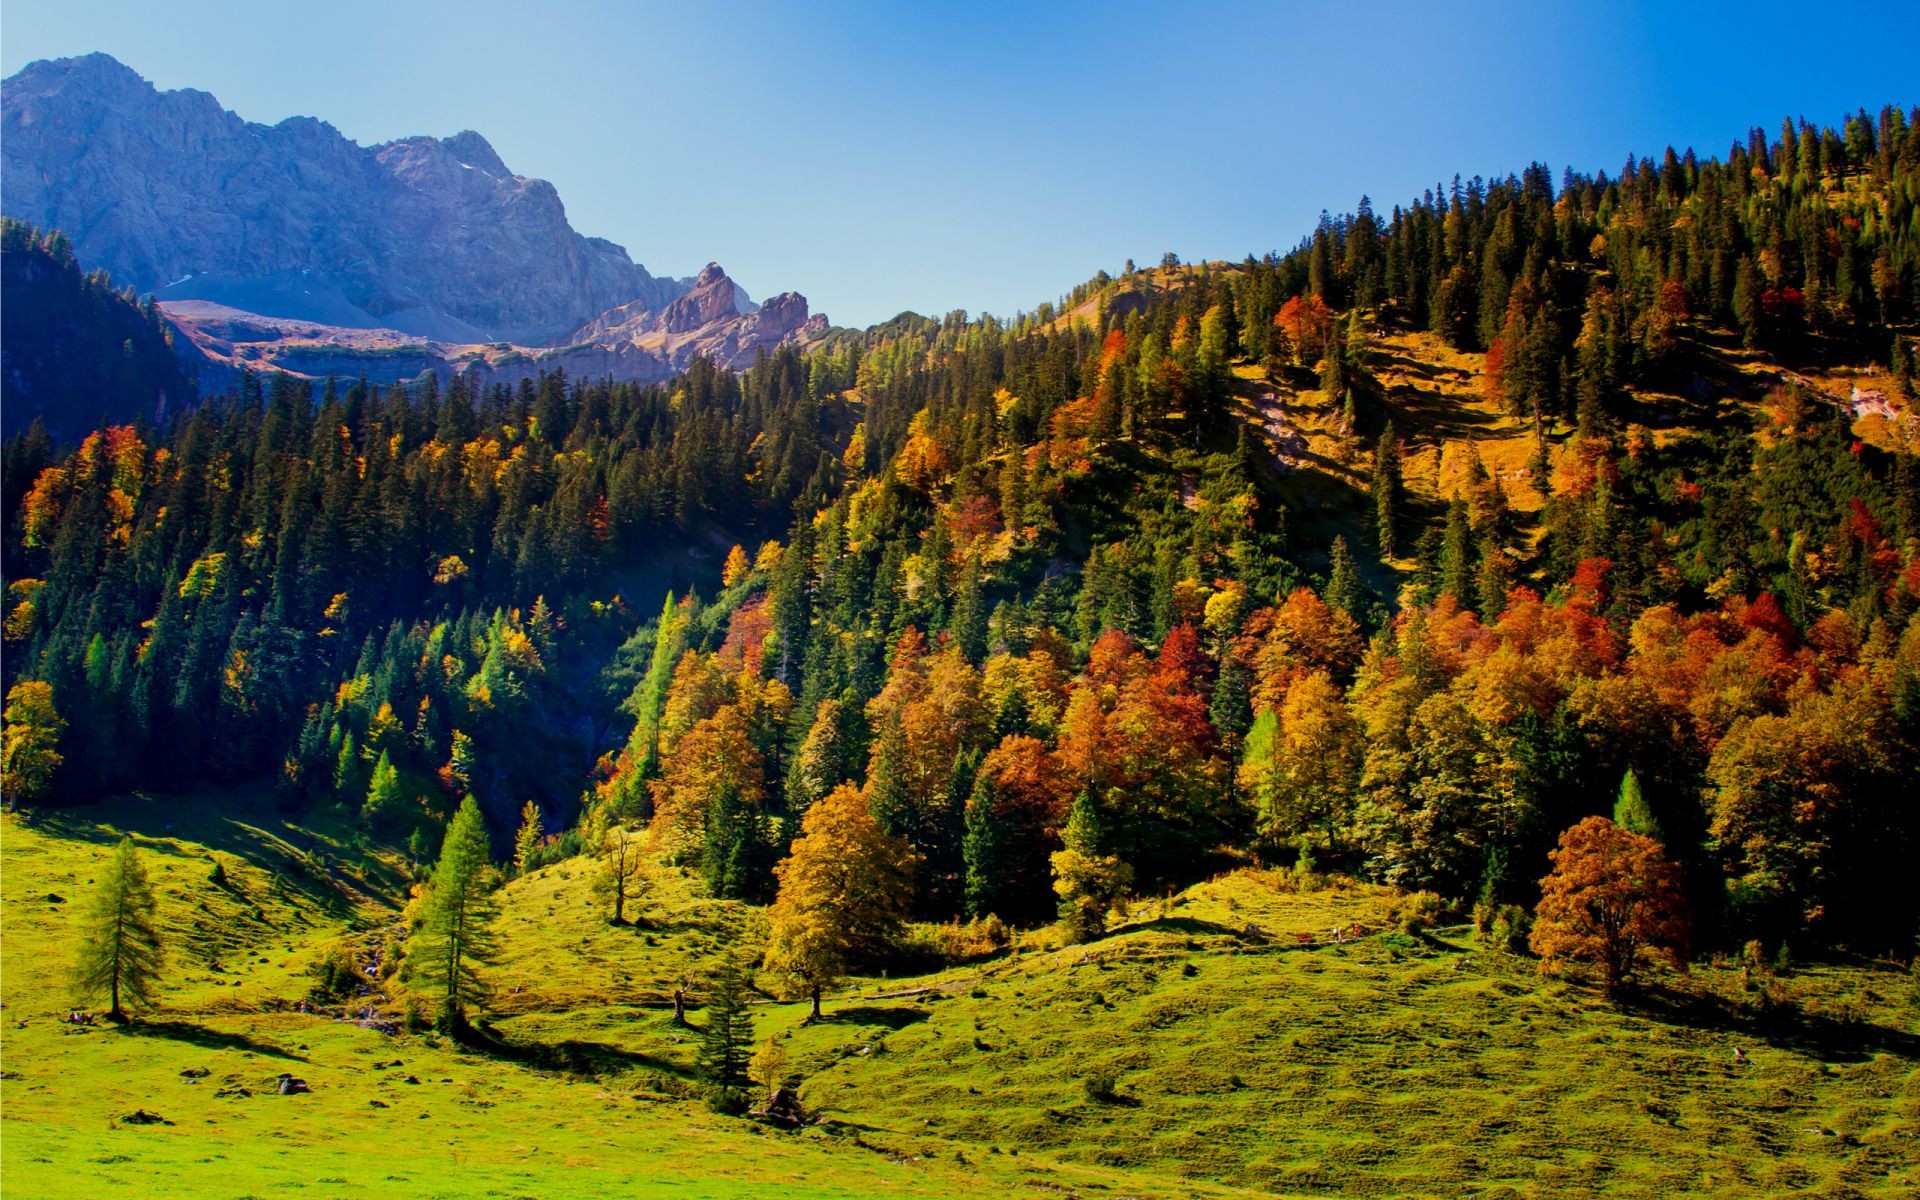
(1611, 899)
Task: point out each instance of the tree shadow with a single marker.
(872, 1014)
(290, 855)
(574, 1056)
(1195, 927)
(208, 1039)
(1784, 1026)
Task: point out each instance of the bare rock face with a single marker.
(177, 196)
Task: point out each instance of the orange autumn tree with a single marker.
(1612, 899)
(843, 894)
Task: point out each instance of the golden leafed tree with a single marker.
(843, 893)
(1611, 899)
(33, 729)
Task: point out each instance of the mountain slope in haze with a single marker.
(74, 352)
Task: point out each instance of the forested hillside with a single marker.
(1399, 554)
(76, 351)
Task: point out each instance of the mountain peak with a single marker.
(476, 152)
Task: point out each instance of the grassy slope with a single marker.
(616, 1123)
(1383, 1066)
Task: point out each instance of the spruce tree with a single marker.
(121, 949)
(982, 849)
(1386, 490)
(726, 1042)
(1090, 883)
(1456, 554)
(1344, 590)
(384, 794)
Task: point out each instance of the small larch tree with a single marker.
(843, 892)
(1611, 899)
(121, 953)
(526, 843)
(452, 939)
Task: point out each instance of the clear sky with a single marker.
(984, 155)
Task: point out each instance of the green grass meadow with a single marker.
(1220, 1043)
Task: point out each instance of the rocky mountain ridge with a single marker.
(290, 245)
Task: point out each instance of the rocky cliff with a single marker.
(290, 247)
(174, 195)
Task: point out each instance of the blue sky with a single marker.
(986, 155)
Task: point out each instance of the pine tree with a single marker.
(526, 843)
(121, 950)
(1090, 883)
(726, 1042)
(1344, 590)
(981, 848)
(1387, 487)
(452, 938)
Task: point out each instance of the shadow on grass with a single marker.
(1250, 933)
(248, 827)
(1785, 1027)
(208, 1039)
(572, 1055)
(871, 1014)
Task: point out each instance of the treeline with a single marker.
(184, 590)
(1030, 588)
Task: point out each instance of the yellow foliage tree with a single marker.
(843, 893)
(33, 729)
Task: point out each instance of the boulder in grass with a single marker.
(288, 1085)
(783, 1109)
(141, 1116)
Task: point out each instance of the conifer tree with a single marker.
(982, 848)
(1631, 811)
(121, 949)
(1090, 883)
(1344, 590)
(1456, 554)
(452, 939)
(526, 843)
(726, 1042)
(1386, 490)
(384, 796)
